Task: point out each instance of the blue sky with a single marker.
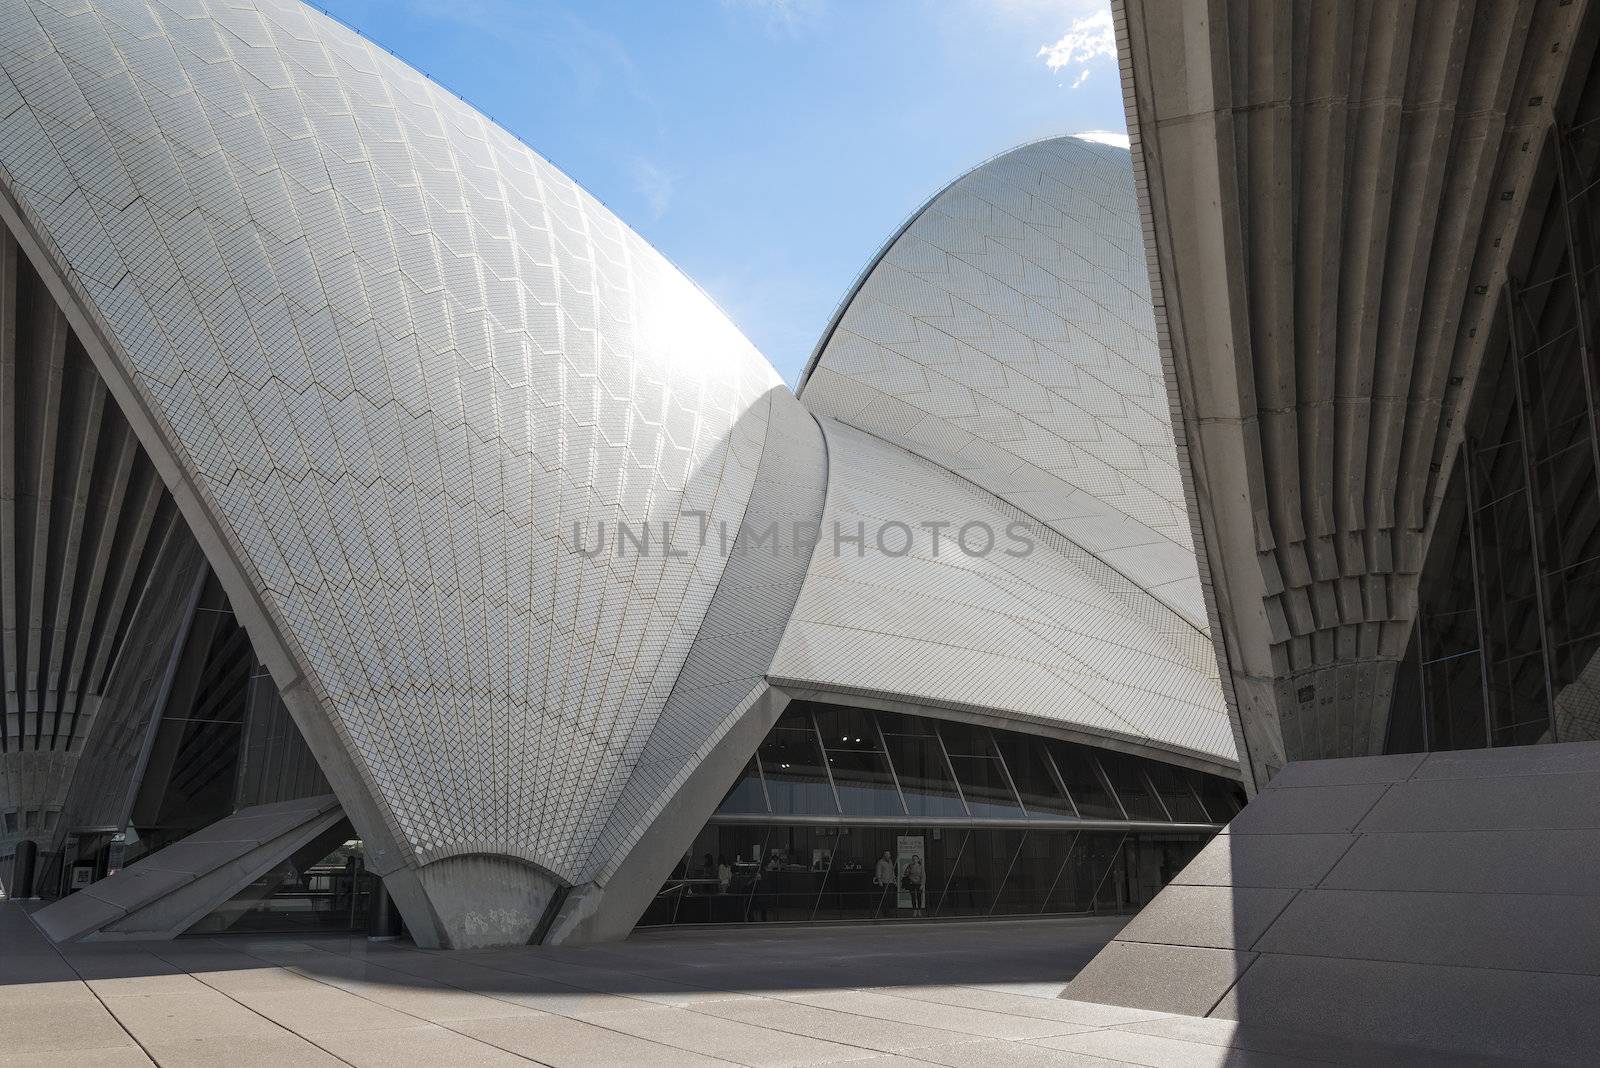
(767, 147)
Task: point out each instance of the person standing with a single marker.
(883, 878)
(913, 884)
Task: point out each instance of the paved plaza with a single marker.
(960, 995)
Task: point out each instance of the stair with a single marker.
(164, 894)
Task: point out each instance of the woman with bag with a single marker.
(911, 883)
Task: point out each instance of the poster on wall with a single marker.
(911, 870)
(115, 854)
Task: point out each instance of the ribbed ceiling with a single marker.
(1331, 192)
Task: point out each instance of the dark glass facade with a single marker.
(849, 813)
(321, 890)
(220, 741)
(829, 873)
(1504, 650)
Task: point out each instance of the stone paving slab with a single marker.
(1160, 1052)
(55, 1026)
(959, 1018)
(859, 997)
(564, 1043)
(240, 1051)
(129, 1056)
(426, 1046)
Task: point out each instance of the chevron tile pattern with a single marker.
(1050, 635)
(1005, 333)
(399, 355)
(407, 384)
(739, 636)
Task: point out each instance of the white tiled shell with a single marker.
(1050, 635)
(1006, 334)
(399, 355)
(726, 668)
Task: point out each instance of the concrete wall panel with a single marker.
(1413, 928)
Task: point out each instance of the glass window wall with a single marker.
(1222, 799)
(749, 794)
(807, 873)
(325, 888)
(1130, 780)
(1034, 774)
(940, 818)
(835, 760)
(1505, 649)
(921, 765)
(791, 763)
(1085, 781)
(1177, 792)
(982, 777)
(861, 777)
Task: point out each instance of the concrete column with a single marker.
(23, 866)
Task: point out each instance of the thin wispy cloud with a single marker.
(785, 16)
(597, 60)
(654, 184)
(1087, 40)
(683, 117)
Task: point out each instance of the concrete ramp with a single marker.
(1447, 900)
(166, 893)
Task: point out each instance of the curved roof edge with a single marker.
(900, 231)
(105, 205)
(445, 87)
(1139, 529)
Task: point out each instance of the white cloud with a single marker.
(1087, 40)
(654, 184)
(596, 61)
(1105, 137)
(786, 15)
